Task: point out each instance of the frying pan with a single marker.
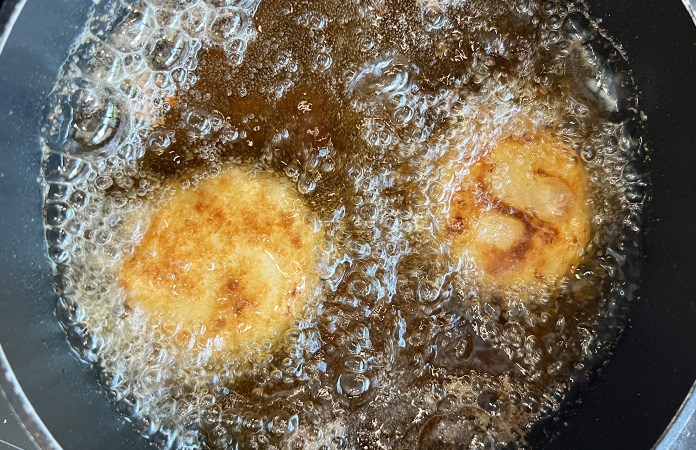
(630, 404)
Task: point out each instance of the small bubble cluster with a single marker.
(374, 111)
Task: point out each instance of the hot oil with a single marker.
(373, 111)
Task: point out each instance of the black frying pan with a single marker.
(629, 405)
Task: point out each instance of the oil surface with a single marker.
(373, 110)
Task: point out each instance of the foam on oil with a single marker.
(373, 110)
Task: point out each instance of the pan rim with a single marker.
(13, 9)
(690, 6)
(10, 388)
(30, 421)
(680, 431)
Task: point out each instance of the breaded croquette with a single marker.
(521, 213)
(233, 256)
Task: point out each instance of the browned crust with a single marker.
(234, 255)
(547, 248)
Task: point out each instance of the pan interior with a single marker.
(371, 127)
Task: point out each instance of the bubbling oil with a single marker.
(373, 110)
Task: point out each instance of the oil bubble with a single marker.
(322, 61)
(132, 27)
(99, 61)
(246, 4)
(433, 18)
(352, 384)
(174, 4)
(56, 214)
(227, 24)
(167, 49)
(193, 21)
(198, 122)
